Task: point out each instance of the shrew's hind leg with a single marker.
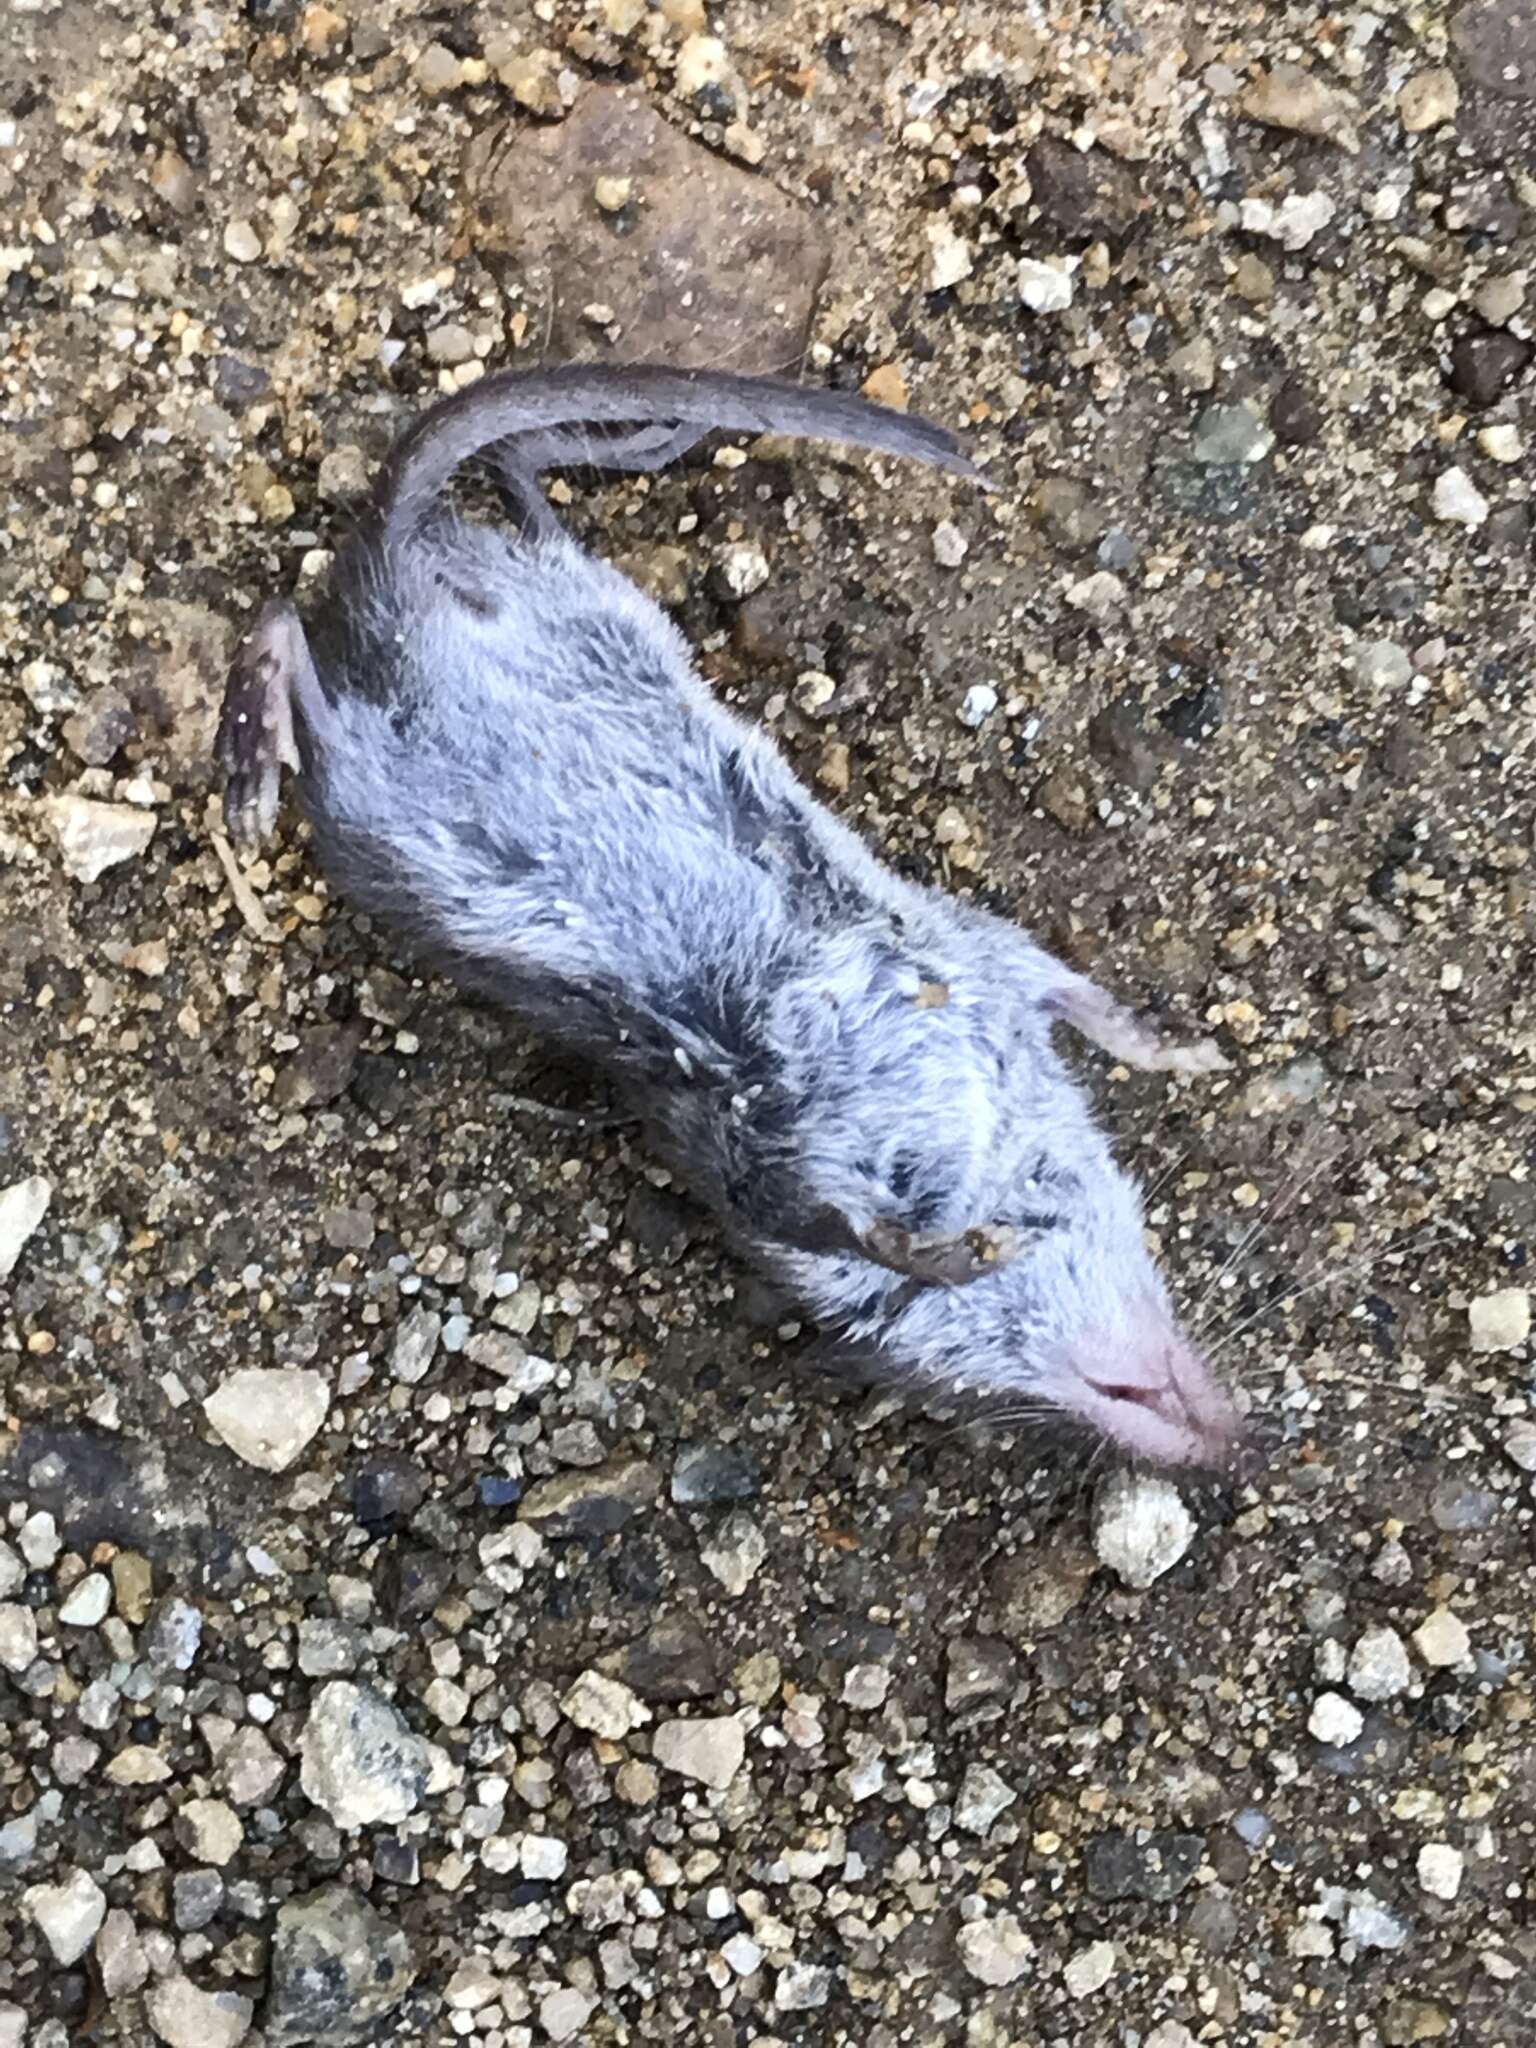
(271, 672)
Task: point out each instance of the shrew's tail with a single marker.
(644, 416)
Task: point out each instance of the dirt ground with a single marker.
(594, 1668)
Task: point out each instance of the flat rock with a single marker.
(591, 1503)
(338, 1966)
(267, 1415)
(96, 836)
(23, 1205)
(708, 1751)
(704, 264)
(185, 2017)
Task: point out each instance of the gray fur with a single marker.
(506, 754)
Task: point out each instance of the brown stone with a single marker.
(706, 265)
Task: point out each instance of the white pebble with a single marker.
(1378, 1665)
(241, 241)
(1141, 1528)
(88, 1602)
(1457, 499)
(1501, 442)
(23, 1206)
(1090, 1970)
(949, 545)
(1442, 1641)
(1335, 1720)
(267, 1415)
(1500, 1321)
(1044, 287)
(980, 703)
(1440, 1868)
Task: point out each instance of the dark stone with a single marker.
(1083, 193)
(496, 1490)
(1123, 1866)
(1484, 366)
(715, 1472)
(338, 1966)
(238, 384)
(1195, 716)
(1294, 413)
(387, 1493)
(397, 1862)
(321, 1069)
(673, 1661)
(591, 1503)
(980, 1673)
(410, 1581)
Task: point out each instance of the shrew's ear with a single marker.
(1109, 1025)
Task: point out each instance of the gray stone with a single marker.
(338, 1966)
(360, 1761)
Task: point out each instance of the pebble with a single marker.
(39, 1542)
(1141, 1528)
(1457, 500)
(949, 545)
(23, 1205)
(714, 1473)
(185, 2017)
(1044, 287)
(241, 241)
(710, 1751)
(1500, 1321)
(1440, 1868)
(1194, 364)
(96, 836)
(995, 1951)
(1286, 96)
(249, 1769)
(979, 704)
(1229, 435)
(603, 1706)
(361, 1763)
(267, 1415)
(983, 1796)
(949, 258)
(87, 1603)
(564, 2013)
(1335, 1720)
(1442, 1640)
(1378, 1666)
(197, 1897)
(1501, 442)
(865, 1687)
(1484, 366)
(1520, 1445)
(1383, 665)
(542, 1858)
(67, 1914)
(13, 1573)
(802, 1987)
(120, 1955)
(210, 1831)
(592, 1503)
(1370, 1924)
(1296, 221)
(1428, 99)
(18, 1637)
(736, 1553)
(1156, 1867)
(338, 1966)
(1090, 1969)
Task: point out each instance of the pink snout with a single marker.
(1155, 1398)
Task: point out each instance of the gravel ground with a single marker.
(439, 1595)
